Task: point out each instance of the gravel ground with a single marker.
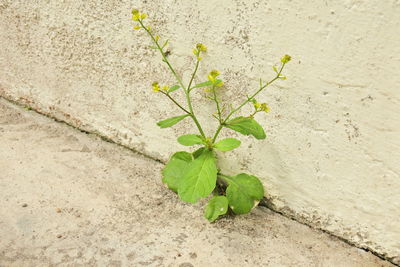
(71, 199)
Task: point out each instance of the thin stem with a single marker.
(187, 92)
(217, 104)
(163, 55)
(191, 113)
(176, 103)
(194, 74)
(245, 102)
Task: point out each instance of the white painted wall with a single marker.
(333, 147)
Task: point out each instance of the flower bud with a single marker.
(285, 59)
(156, 87)
(201, 47)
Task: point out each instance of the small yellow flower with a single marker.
(195, 52)
(285, 59)
(165, 88)
(135, 11)
(136, 17)
(264, 107)
(157, 37)
(199, 58)
(219, 84)
(143, 16)
(201, 47)
(214, 73)
(137, 27)
(257, 105)
(156, 87)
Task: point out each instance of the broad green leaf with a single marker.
(198, 152)
(246, 126)
(174, 88)
(190, 139)
(174, 171)
(199, 179)
(227, 144)
(243, 192)
(171, 121)
(218, 205)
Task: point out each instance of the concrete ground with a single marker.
(71, 199)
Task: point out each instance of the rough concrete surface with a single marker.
(71, 199)
(331, 158)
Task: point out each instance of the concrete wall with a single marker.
(333, 147)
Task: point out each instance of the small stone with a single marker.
(59, 236)
(24, 205)
(58, 210)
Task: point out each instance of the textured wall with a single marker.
(333, 147)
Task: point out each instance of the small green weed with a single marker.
(195, 175)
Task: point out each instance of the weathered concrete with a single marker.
(70, 199)
(332, 153)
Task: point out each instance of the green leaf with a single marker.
(171, 121)
(243, 192)
(174, 88)
(203, 84)
(246, 126)
(199, 179)
(165, 43)
(227, 144)
(207, 83)
(190, 139)
(218, 205)
(174, 171)
(198, 152)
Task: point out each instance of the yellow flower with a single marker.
(157, 37)
(219, 84)
(264, 107)
(199, 58)
(214, 73)
(285, 59)
(143, 16)
(136, 17)
(257, 105)
(201, 47)
(135, 11)
(165, 88)
(137, 27)
(195, 52)
(156, 87)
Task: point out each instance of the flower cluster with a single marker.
(199, 48)
(157, 88)
(260, 106)
(137, 16)
(212, 77)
